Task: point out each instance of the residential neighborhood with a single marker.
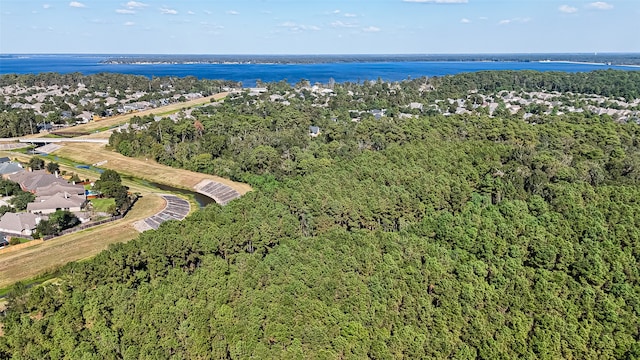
(504, 103)
(55, 107)
(51, 194)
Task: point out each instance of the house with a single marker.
(31, 180)
(52, 189)
(276, 97)
(314, 131)
(377, 113)
(7, 168)
(44, 127)
(415, 105)
(257, 91)
(59, 201)
(84, 117)
(19, 223)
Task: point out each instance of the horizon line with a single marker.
(337, 54)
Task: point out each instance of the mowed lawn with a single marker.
(145, 169)
(46, 256)
(103, 205)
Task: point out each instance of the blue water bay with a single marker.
(250, 73)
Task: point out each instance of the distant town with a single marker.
(56, 107)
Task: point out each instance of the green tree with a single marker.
(21, 199)
(53, 167)
(36, 163)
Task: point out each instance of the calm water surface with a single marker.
(248, 74)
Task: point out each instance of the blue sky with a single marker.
(318, 27)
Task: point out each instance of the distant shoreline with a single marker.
(588, 63)
(595, 59)
(592, 59)
(298, 63)
(250, 70)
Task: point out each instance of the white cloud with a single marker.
(514, 20)
(438, 1)
(129, 23)
(292, 26)
(135, 4)
(46, 6)
(77, 4)
(340, 24)
(190, 12)
(336, 12)
(232, 12)
(125, 11)
(600, 5)
(371, 29)
(350, 15)
(465, 21)
(168, 11)
(567, 9)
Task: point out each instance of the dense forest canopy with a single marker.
(464, 236)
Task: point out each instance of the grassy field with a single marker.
(103, 205)
(49, 255)
(149, 170)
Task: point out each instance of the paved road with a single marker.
(60, 140)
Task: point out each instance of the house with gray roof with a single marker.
(19, 223)
(377, 113)
(314, 131)
(31, 180)
(7, 168)
(50, 190)
(59, 201)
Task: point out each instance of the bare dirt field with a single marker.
(49, 255)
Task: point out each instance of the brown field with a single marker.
(46, 256)
(149, 170)
(121, 119)
(83, 173)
